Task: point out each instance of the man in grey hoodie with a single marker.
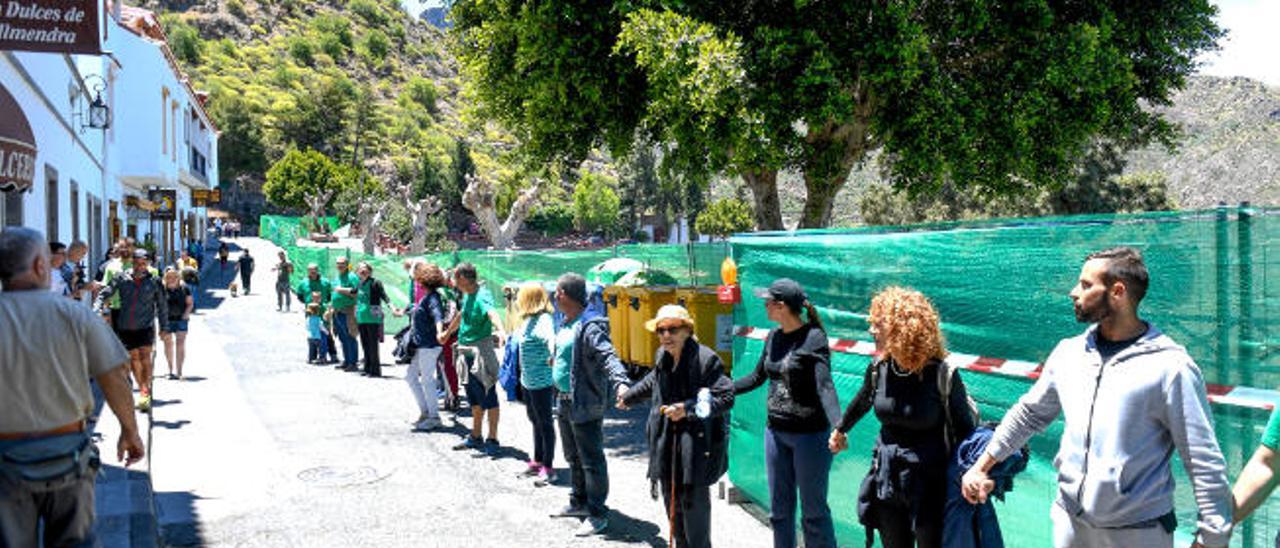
(1129, 396)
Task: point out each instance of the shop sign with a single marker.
(17, 146)
(57, 26)
(199, 198)
(166, 202)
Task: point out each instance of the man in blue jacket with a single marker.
(1129, 396)
(593, 369)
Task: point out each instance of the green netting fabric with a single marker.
(1001, 289)
(692, 264)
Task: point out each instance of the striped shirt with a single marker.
(535, 352)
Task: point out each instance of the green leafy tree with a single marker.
(305, 179)
(241, 146)
(724, 217)
(377, 44)
(320, 116)
(184, 40)
(981, 94)
(461, 167)
(423, 92)
(596, 204)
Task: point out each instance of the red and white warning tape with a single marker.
(1237, 396)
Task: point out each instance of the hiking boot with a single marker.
(592, 526)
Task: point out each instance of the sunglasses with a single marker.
(667, 330)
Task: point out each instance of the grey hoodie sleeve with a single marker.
(1190, 425)
(1033, 413)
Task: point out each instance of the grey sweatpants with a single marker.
(1071, 532)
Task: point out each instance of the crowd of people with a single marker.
(1129, 397)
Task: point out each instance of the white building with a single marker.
(76, 182)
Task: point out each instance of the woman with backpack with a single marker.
(802, 409)
(923, 410)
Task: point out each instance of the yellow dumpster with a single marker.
(713, 320)
(617, 307)
(644, 304)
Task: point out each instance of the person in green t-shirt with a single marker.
(344, 313)
(478, 326)
(370, 300)
(1259, 477)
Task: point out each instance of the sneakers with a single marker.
(469, 443)
(592, 526)
(428, 423)
(545, 477)
(530, 471)
(173, 377)
(144, 403)
(571, 511)
(490, 447)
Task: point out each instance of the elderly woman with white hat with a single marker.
(688, 424)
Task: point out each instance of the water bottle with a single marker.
(703, 407)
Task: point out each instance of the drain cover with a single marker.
(339, 476)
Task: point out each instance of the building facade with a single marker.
(137, 177)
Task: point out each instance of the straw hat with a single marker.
(670, 312)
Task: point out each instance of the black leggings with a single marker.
(538, 407)
(369, 344)
(895, 526)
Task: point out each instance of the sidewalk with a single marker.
(123, 498)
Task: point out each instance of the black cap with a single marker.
(140, 253)
(786, 291)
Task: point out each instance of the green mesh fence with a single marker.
(1001, 289)
(694, 264)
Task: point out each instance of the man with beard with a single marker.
(1129, 396)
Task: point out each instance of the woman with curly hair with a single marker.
(903, 494)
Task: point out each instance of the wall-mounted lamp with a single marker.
(99, 114)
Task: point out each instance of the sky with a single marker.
(1251, 47)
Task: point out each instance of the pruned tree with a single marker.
(373, 209)
(480, 198)
(421, 210)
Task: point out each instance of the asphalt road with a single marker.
(257, 448)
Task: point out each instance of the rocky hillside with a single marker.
(1230, 150)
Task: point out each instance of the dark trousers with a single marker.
(896, 529)
(283, 297)
(350, 349)
(245, 278)
(63, 505)
(538, 406)
(369, 344)
(691, 527)
(315, 350)
(799, 461)
(583, 444)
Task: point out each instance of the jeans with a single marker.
(369, 334)
(538, 406)
(583, 444)
(245, 278)
(691, 526)
(315, 350)
(65, 506)
(284, 296)
(421, 377)
(803, 461)
(349, 349)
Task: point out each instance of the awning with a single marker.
(17, 146)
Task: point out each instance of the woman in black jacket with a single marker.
(687, 449)
(904, 492)
(802, 410)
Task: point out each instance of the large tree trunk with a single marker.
(479, 198)
(764, 189)
(834, 151)
(371, 213)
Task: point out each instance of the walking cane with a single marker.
(671, 502)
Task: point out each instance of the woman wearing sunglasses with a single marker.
(687, 428)
(802, 408)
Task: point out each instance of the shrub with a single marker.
(377, 45)
(183, 40)
(423, 92)
(302, 50)
(236, 8)
(551, 220)
(724, 217)
(596, 205)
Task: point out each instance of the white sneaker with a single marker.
(429, 423)
(592, 526)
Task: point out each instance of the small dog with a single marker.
(235, 288)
